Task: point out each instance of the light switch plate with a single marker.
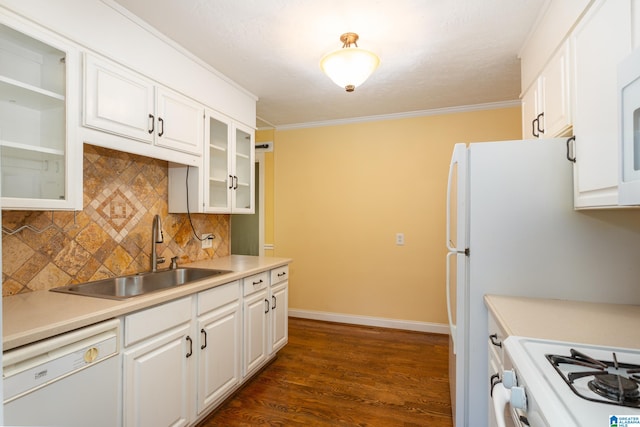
(399, 239)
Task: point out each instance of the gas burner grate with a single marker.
(609, 381)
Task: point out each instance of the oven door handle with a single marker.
(500, 397)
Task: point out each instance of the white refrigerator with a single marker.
(512, 230)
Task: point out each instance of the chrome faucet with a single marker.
(156, 237)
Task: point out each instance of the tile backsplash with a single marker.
(111, 236)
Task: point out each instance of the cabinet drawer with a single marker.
(255, 283)
(218, 297)
(279, 274)
(147, 323)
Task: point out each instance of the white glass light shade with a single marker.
(349, 67)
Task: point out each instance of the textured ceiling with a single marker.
(434, 53)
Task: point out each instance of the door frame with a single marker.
(259, 158)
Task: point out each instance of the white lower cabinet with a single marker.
(497, 335)
(158, 366)
(256, 326)
(279, 308)
(183, 358)
(219, 349)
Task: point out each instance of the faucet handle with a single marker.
(160, 260)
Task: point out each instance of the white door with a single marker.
(244, 170)
(256, 310)
(601, 41)
(279, 316)
(217, 163)
(118, 101)
(180, 122)
(219, 357)
(156, 381)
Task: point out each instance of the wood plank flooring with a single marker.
(342, 375)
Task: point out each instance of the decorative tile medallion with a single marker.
(115, 211)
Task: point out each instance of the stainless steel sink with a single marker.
(139, 284)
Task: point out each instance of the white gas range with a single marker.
(552, 383)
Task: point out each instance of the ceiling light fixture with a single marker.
(350, 66)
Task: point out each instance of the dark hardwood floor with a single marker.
(342, 375)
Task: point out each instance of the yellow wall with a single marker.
(341, 193)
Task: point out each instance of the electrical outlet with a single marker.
(399, 239)
(207, 240)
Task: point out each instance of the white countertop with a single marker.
(37, 315)
(615, 325)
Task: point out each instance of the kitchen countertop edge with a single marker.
(592, 323)
(38, 315)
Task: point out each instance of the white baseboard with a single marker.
(381, 322)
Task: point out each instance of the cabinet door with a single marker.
(256, 310)
(157, 380)
(218, 157)
(556, 105)
(229, 166)
(279, 316)
(219, 354)
(530, 112)
(244, 170)
(117, 100)
(601, 40)
(180, 122)
(40, 160)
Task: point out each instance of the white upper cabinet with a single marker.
(546, 106)
(243, 168)
(602, 39)
(117, 100)
(569, 77)
(229, 166)
(555, 78)
(38, 99)
(125, 103)
(180, 122)
(226, 183)
(531, 112)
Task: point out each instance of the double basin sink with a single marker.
(124, 287)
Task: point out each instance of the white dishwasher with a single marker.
(72, 379)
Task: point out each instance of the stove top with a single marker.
(604, 381)
(573, 384)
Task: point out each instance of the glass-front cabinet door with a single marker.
(244, 188)
(34, 107)
(218, 169)
(229, 159)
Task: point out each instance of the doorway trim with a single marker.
(261, 163)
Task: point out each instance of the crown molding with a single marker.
(405, 115)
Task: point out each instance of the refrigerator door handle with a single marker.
(458, 164)
(452, 327)
(450, 244)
